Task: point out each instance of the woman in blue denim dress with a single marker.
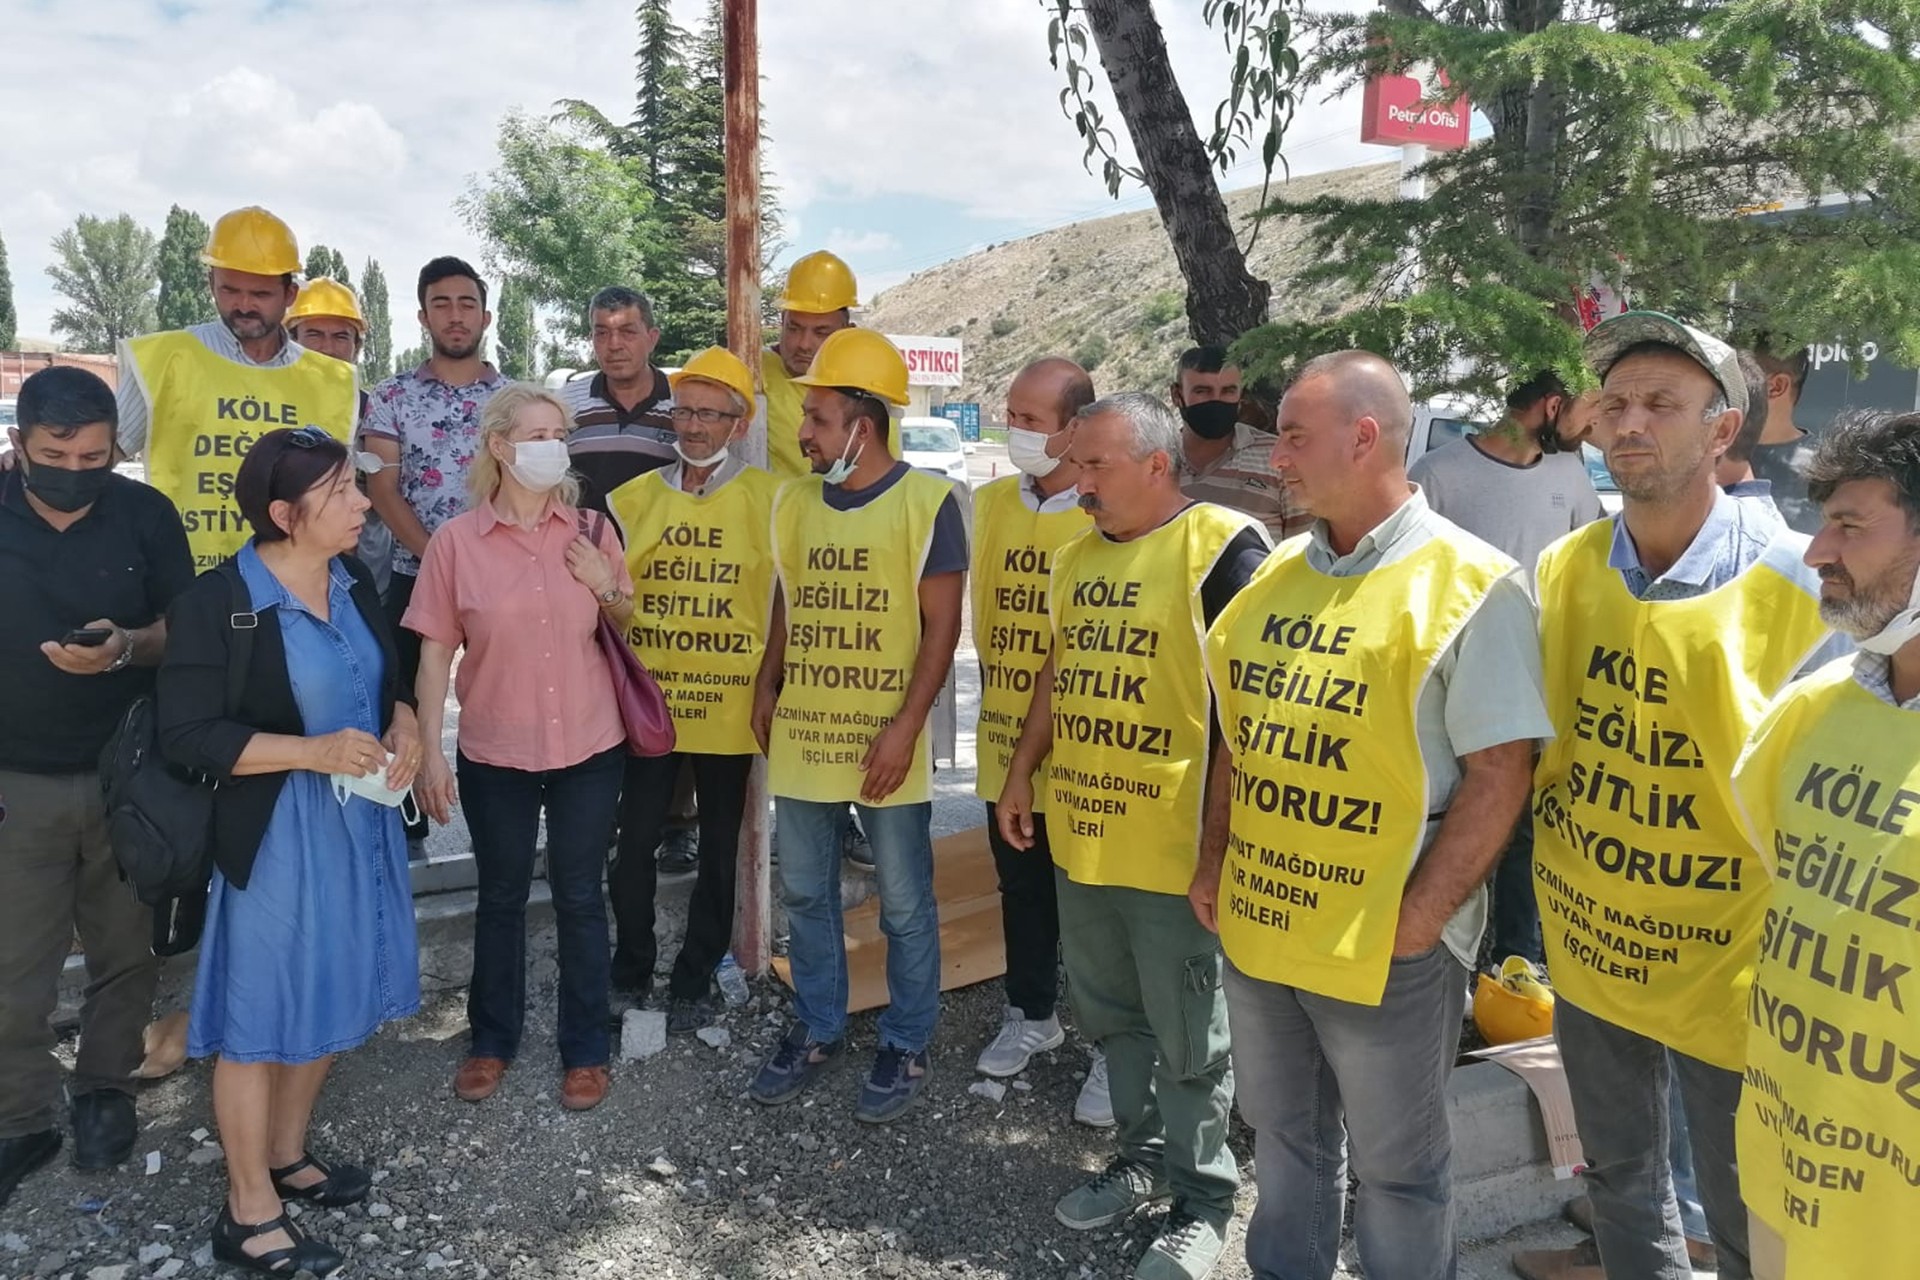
(309, 944)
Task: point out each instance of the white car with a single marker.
(7, 418)
(933, 445)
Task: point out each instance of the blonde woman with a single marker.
(514, 582)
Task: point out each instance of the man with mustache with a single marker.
(424, 424)
(1838, 946)
(1123, 705)
(1663, 633)
(194, 400)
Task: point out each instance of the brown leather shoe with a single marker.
(584, 1088)
(1702, 1256)
(1582, 1262)
(477, 1078)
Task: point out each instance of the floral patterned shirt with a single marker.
(437, 428)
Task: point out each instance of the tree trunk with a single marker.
(1223, 299)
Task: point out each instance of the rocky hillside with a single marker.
(1105, 292)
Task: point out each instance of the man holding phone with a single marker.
(89, 561)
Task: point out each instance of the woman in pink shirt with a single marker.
(514, 581)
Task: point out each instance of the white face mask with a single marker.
(843, 465)
(539, 464)
(1027, 450)
(1901, 627)
(700, 464)
(374, 787)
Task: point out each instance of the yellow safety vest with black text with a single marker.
(1131, 706)
(851, 583)
(1013, 552)
(1829, 1120)
(702, 568)
(205, 411)
(1318, 679)
(1650, 895)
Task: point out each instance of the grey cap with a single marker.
(1610, 338)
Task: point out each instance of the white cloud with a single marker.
(361, 122)
(849, 243)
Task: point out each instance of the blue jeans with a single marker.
(1309, 1064)
(909, 917)
(1621, 1083)
(1693, 1218)
(503, 814)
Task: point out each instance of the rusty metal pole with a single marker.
(752, 922)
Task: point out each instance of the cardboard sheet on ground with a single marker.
(972, 947)
(1538, 1063)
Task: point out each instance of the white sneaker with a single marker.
(1016, 1043)
(1094, 1106)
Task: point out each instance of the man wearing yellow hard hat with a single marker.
(700, 551)
(815, 304)
(871, 557)
(326, 318)
(196, 399)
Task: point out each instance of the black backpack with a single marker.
(159, 815)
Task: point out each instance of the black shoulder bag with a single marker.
(159, 815)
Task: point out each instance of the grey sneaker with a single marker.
(1113, 1193)
(1187, 1248)
(1019, 1038)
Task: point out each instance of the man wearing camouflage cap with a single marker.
(1664, 632)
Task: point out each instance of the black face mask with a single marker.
(64, 490)
(1211, 419)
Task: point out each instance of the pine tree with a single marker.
(376, 356)
(9, 318)
(184, 297)
(661, 75)
(514, 330)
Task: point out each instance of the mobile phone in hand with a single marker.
(87, 637)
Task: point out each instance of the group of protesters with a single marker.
(1261, 722)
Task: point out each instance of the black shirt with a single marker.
(125, 559)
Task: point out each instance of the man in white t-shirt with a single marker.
(1514, 486)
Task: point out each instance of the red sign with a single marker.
(1395, 111)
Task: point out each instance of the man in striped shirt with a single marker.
(622, 415)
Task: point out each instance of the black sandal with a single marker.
(339, 1185)
(305, 1254)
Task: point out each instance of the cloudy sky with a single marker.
(903, 132)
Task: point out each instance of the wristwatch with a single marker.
(610, 596)
(125, 655)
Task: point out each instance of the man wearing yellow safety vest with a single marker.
(1019, 522)
(1123, 706)
(1664, 631)
(326, 318)
(1829, 1123)
(1378, 686)
(816, 303)
(699, 548)
(871, 556)
(198, 398)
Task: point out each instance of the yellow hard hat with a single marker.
(252, 240)
(321, 296)
(817, 284)
(861, 359)
(717, 364)
(1513, 1007)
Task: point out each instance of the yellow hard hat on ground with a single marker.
(1513, 1007)
(321, 296)
(252, 240)
(717, 364)
(861, 359)
(817, 284)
